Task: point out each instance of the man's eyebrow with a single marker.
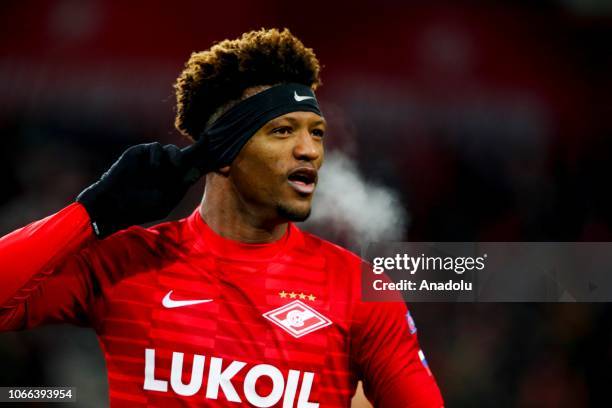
(320, 122)
(293, 121)
(274, 122)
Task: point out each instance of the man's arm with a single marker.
(27, 253)
(388, 357)
(44, 277)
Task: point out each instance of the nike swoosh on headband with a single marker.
(300, 98)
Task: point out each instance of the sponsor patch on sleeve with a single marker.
(411, 326)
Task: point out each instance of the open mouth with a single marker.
(303, 180)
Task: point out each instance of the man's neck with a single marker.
(226, 217)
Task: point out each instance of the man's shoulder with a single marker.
(164, 231)
(342, 266)
(158, 239)
(329, 249)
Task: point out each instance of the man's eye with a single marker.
(318, 132)
(283, 130)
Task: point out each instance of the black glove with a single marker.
(144, 185)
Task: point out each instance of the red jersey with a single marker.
(186, 317)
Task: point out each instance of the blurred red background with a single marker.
(491, 119)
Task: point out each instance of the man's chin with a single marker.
(293, 214)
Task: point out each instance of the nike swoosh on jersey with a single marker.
(300, 98)
(169, 303)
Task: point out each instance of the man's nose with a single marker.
(306, 146)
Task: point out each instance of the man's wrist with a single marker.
(96, 208)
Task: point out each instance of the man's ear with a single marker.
(224, 171)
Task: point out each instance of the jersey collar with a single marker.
(207, 239)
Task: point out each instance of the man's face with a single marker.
(276, 171)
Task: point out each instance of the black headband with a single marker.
(226, 136)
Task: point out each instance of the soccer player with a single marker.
(232, 304)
